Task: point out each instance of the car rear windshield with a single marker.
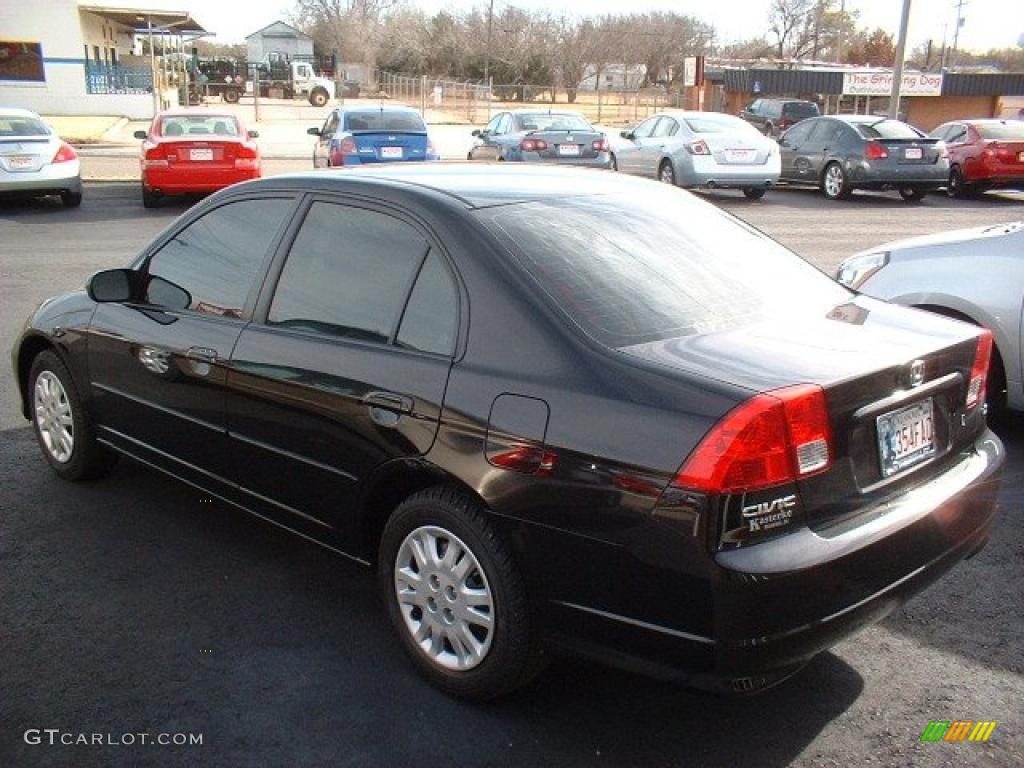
(633, 269)
(15, 125)
(888, 129)
(554, 121)
(800, 110)
(1011, 130)
(719, 125)
(383, 121)
(199, 125)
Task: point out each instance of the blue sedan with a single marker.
(361, 135)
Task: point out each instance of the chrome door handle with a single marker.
(201, 354)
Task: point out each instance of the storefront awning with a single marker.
(140, 19)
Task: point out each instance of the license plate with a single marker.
(200, 154)
(392, 153)
(913, 153)
(569, 150)
(21, 162)
(905, 437)
(740, 155)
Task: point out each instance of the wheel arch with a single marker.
(28, 351)
(388, 487)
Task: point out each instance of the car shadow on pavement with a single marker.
(813, 197)
(136, 603)
(974, 611)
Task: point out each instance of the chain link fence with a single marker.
(467, 101)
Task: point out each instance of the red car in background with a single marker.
(195, 151)
(983, 155)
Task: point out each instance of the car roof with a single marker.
(540, 111)
(871, 119)
(472, 185)
(688, 113)
(182, 112)
(378, 108)
(18, 112)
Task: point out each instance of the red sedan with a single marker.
(983, 154)
(195, 151)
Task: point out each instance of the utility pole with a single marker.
(897, 73)
(956, 28)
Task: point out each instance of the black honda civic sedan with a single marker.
(550, 407)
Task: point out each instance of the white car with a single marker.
(700, 150)
(34, 161)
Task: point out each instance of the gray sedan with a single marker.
(34, 161)
(841, 153)
(976, 275)
(699, 149)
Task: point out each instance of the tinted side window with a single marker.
(331, 125)
(218, 257)
(667, 127)
(820, 130)
(798, 134)
(493, 125)
(431, 316)
(504, 123)
(348, 273)
(646, 128)
(957, 134)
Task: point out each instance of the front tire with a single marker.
(318, 97)
(956, 187)
(62, 426)
(455, 597)
(231, 96)
(666, 173)
(754, 193)
(834, 184)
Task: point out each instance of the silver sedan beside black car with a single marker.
(841, 153)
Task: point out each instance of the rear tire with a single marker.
(318, 97)
(754, 193)
(231, 96)
(150, 199)
(666, 173)
(62, 425)
(435, 612)
(834, 184)
(912, 195)
(71, 199)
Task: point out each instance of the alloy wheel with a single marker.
(444, 598)
(53, 417)
(666, 174)
(834, 181)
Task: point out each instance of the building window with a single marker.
(22, 62)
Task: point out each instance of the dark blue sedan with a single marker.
(361, 135)
(536, 136)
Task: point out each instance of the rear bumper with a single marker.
(930, 176)
(50, 179)
(603, 160)
(777, 604)
(705, 171)
(179, 181)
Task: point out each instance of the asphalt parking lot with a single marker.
(136, 605)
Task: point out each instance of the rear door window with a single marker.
(799, 110)
(639, 269)
(646, 129)
(666, 127)
(798, 134)
(348, 273)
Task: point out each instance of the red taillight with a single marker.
(155, 156)
(784, 122)
(875, 151)
(525, 459)
(247, 157)
(698, 147)
(533, 145)
(979, 373)
(65, 154)
(601, 145)
(774, 438)
(348, 146)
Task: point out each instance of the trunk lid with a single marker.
(204, 153)
(863, 354)
(27, 154)
(567, 143)
(390, 146)
(923, 151)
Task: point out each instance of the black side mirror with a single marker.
(477, 132)
(627, 135)
(111, 285)
(313, 131)
(253, 134)
(140, 134)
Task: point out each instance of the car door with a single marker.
(487, 145)
(960, 144)
(752, 114)
(158, 364)
(345, 367)
(791, 147)
(653, 149)
(629, 153)
(322, 150)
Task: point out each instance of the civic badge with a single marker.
(917, 373)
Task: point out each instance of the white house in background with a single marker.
(71, 57)
(613, 77)
(279, 38)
